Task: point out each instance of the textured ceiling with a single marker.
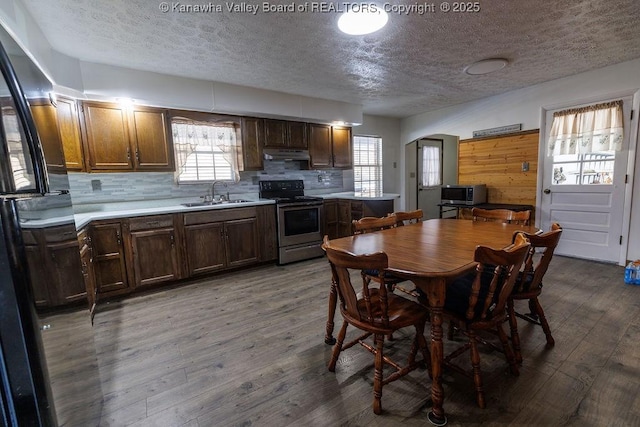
(415, 64)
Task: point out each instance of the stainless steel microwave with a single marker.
(464, 194)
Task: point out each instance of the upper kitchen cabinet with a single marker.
(284, 134)
(121, 140)
(44, 116)
(330, 146)
(252, 143)
(69, 129)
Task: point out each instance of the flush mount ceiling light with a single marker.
(362, 21)
(486, 66)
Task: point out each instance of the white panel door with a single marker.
(429, 194)
(585, 194)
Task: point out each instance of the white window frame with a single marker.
(367, 165)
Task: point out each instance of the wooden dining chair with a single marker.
(406, 218)
(529, 285)
(375, 312)
(477, 302)
(369, 224)
(504, 215)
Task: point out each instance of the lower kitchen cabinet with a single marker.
(108, 257)
(331, 224)
(86, 258)
(220, 239)
(153, 251)
(52, 254)
(344, 218)
(268, 232)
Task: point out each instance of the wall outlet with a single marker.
(96, 185)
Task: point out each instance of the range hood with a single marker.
(285, 154)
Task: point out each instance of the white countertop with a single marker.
(87, 213)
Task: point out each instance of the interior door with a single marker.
(585, 194)
(429, 191)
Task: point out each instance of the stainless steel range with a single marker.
(299, 220)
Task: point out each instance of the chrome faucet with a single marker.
(213, 190)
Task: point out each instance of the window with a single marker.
(431, 170)
(583, 143)
(205, 151)
(367, 165)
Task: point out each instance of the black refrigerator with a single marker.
(30, 196)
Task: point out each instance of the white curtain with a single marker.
(431, 174)
(595, 128)
(192, 138)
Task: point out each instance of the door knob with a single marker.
(546, 191)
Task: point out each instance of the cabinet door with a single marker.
(320, 146)
(331, 219)
(275, 133)
(242, 241)
(108, 258)
(266, 216)
(67, 282)
(89, 278)
(205, 247)
(344, 218)
(44, 116)
(297, 135)
(342, 153)
(69, 128)
(155, 256)
(150, 140)
(252, 142)
(39, 276)
(107, 136)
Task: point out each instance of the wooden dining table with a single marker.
(430, 254)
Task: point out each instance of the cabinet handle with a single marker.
(118, 237)
(173, 240)
(137, 156)
(128, 154)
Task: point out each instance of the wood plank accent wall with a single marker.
(497, 162)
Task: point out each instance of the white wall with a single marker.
(389, 130)
(524, 106)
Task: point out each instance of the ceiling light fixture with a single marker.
(486, 66)
(363, 21)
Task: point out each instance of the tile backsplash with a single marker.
(89, 188)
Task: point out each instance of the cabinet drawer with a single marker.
(217, 215)
(60, 234)
(150, 222)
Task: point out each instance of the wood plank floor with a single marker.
(246, 349)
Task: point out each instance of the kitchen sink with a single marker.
(224, 202)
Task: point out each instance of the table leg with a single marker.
(435, 290)
(333, 301)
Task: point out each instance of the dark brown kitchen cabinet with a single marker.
(154, 253)
(221, 239)
(297, 135)
(86, 258)
(37, 268)
(45, 118)
(331, 224)
(53, 257)
(267, 223)
(341, 147)
(121, 140)
(252, 143)
(330, 146)
(344, 218)
(150, 140)
(69, 129)
(285, 134)
(109, 258)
